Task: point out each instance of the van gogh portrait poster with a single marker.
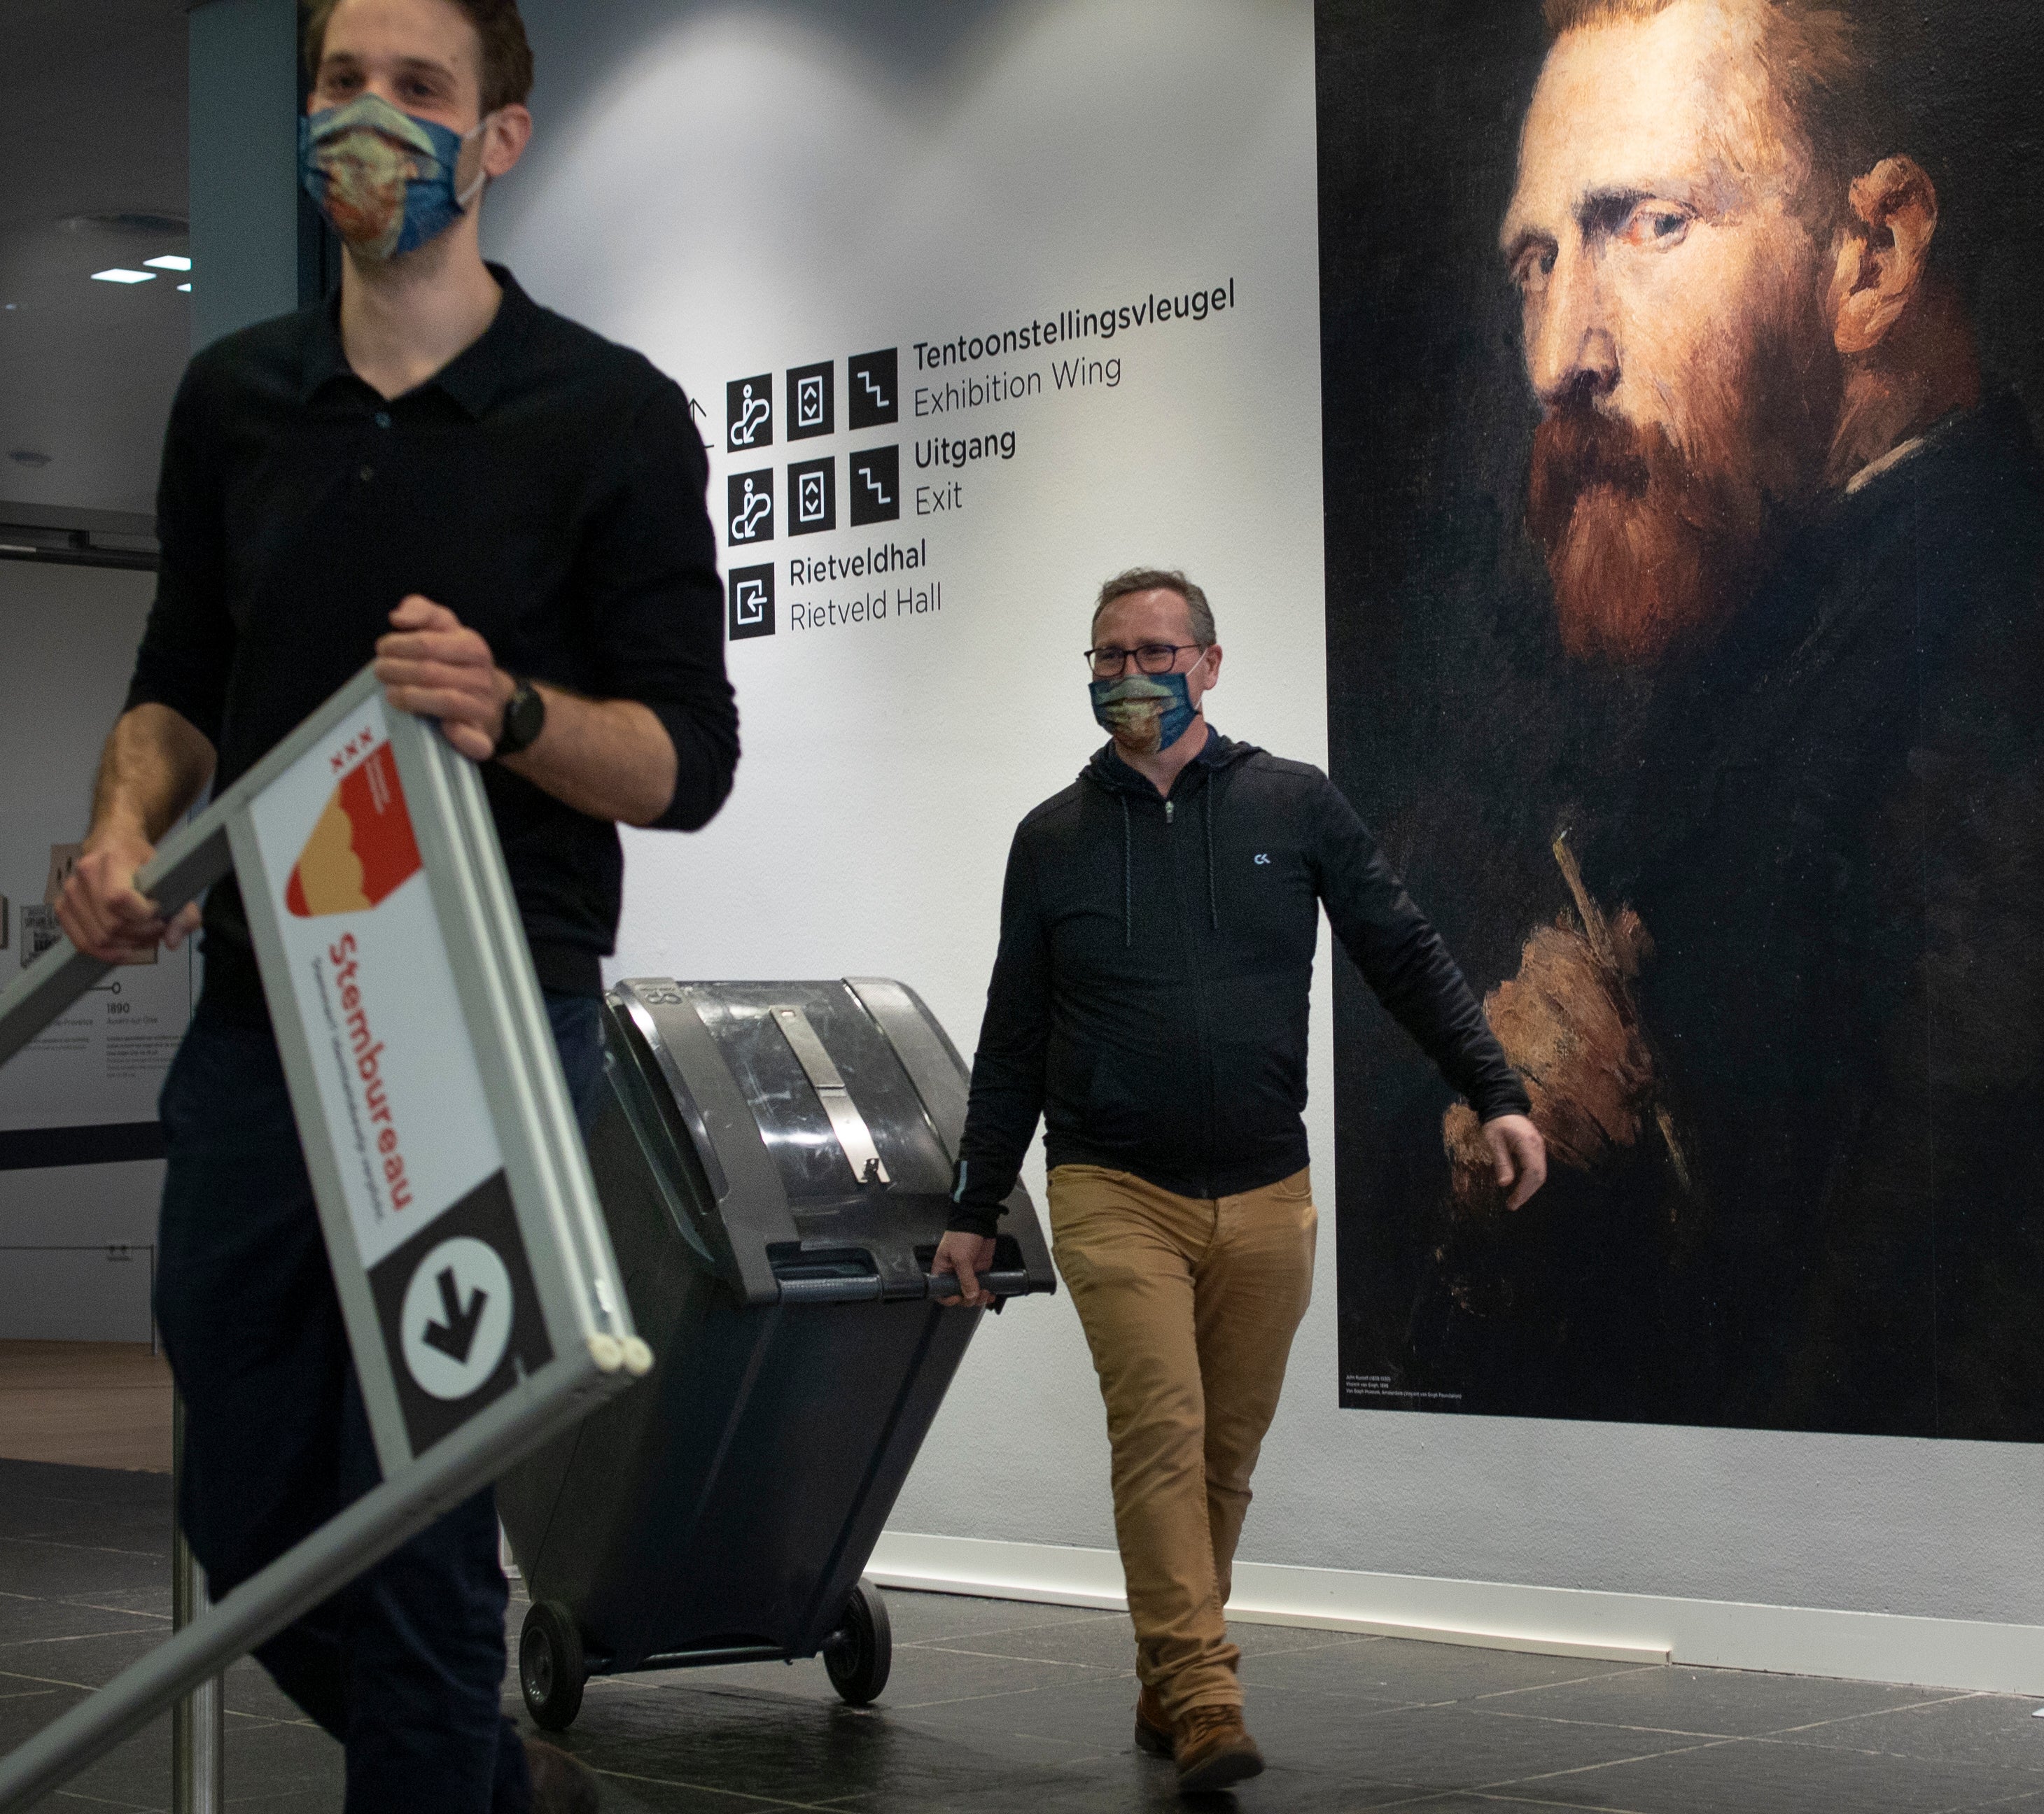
(1680, 376)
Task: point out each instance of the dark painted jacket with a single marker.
(1149, 999)
(1842, 847)
(1836, 841)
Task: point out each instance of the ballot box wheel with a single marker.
(551, 1671)
(860, 1653)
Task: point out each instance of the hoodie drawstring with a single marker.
(1206, 818)
(1128, 879)
(1128, 862)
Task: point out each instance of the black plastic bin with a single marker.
(774, 1160)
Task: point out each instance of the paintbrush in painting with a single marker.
(1598, 933)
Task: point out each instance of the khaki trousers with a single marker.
(1190, 1306)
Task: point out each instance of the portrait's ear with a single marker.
(1883, 256)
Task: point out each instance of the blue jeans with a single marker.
(404, 1666)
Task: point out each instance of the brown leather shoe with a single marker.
(560, 1784)
(1153, 1725)
(1214, 1750)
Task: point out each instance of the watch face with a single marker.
(522, 719)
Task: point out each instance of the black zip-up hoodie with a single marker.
(1149, 998)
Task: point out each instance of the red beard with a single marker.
(1645, 551)
(1652, 546)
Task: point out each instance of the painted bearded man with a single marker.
(1787, 1039)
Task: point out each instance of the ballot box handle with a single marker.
(825, 1275)
(1015, 1284)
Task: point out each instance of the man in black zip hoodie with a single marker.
(1149, 999)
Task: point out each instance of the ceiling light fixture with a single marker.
(170, 261)
(117, 275)
(184, 286)
(135, 223)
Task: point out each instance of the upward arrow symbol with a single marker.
(456, 1336)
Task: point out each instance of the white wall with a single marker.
(738, 187)
(69, 633)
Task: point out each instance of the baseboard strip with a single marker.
(1621, 1628)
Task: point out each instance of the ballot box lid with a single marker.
(806, 1125)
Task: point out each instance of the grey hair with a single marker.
(1160, 579)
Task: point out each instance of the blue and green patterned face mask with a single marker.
(384, 177)
(1144, 713)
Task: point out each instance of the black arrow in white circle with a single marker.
(457, 1317)
(457, 1335)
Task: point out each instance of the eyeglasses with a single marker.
(1107, 662)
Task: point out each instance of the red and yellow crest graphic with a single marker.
(362, 850)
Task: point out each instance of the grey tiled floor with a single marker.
(996, 1707)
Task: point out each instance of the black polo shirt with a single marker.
(547, 487)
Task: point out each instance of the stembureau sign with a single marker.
(369, 988)
(398, 1129)
(935, 477)
(361, 852)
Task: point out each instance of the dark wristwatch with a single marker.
(524, 718)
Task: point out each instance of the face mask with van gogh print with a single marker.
(384, 177)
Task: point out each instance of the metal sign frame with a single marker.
(450, 939)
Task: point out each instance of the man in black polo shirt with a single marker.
(507, 512)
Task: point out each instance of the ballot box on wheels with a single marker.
(773, 1161)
